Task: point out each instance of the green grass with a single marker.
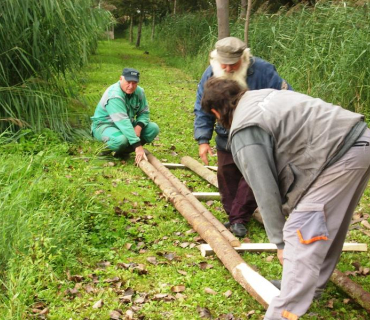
(64, 211)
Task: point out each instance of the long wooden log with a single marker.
(193, 200)
(355, 291)
(256, 285)
(206, 249)
(199, 169)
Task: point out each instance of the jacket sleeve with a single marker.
(203, 122)
(252, 150)
(263, 75)
(117, 111)
(142, 116)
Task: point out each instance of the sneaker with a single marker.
(316, 296)
(238, 229)
(227, 225)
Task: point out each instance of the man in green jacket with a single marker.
(121, 118)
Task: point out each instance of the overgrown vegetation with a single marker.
(85, 237)
(42, 41)
(323, 51)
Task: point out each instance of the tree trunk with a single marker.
(246, 28)
(256, 285)
(243, 9)
(131, 28)
(139, 28)
(153, 25)
(174, 7)
(193, 200)
(223, 18)
(354, 290)
(200, 170)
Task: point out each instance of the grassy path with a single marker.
(92, 238)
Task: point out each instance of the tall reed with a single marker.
(323, 51)
(42, 41)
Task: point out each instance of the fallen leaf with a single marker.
(179, 288)
(204, 312)
(111, 280)
(98, 304)
(116, 314)
(184, 244)
(346, 301)
(204, 265)
(103, 264)
(330, 303)
(366, 224)
(129, 315)
(228, 293)
(152, 260)
(180, 296)
(184, 273)
(169, 256)
(159, 296)
(210, 291)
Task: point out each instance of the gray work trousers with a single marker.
(316, 230)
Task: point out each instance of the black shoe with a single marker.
(317, 295)
(238, 229)
(227, 225)
(105, 153)
(122, 155)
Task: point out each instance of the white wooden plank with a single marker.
(206, 249)
(207, 195)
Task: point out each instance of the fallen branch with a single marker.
(256, 285)
(199, 169)
(193, 199)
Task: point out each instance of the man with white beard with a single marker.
(232, 60)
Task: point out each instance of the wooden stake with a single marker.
(199, 169)
(193, 200)
(256, 285)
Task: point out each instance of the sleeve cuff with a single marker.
(135, 145)
(203, 141)
(280, 245)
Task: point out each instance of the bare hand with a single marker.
(280, 255)
(138, 131)
(204, 150)
(140, 154)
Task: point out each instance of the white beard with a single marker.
(239, 76)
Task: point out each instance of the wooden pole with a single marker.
(199, 169)
(193, 200)
(256, 285)
(354, 290)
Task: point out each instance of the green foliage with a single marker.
(40, 42)
(322, 51)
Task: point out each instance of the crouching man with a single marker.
(121, 118)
